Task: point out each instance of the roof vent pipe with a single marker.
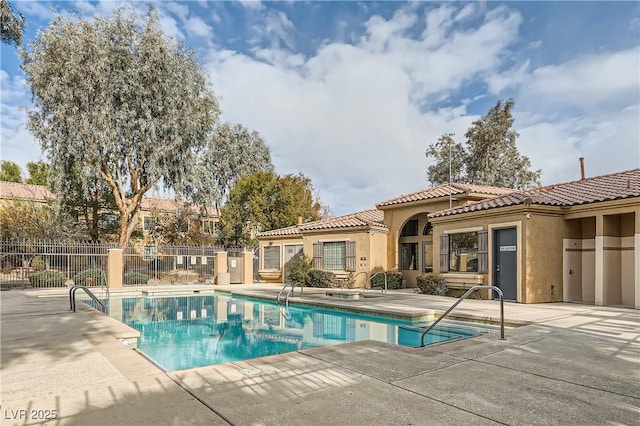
(582, 168)
(299, 220)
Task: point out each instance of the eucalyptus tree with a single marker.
(11, 24)
(114, 100)
(236, 152)
(490, 156)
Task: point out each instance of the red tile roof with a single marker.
(444, 191)
(39, 193)
(372, 218)
(24, 191)
(597, 189)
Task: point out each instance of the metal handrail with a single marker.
(72, 298)
(353, 279)
(293, 285)
(464, 296)
(384, 290)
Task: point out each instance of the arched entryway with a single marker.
(415, 248)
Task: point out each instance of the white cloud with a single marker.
(589, 81)
(18, 145)
(346, 116)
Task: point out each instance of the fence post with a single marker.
(247, 267)
(115, 268)
(220, 264)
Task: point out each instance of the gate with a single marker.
(235, 265)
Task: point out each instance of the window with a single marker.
(271, 256)
(149, 223)
(335, 256)
(463, 252)
(428, 229)
(210, 227)
(410, 229)
(409, 256)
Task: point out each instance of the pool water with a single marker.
(193, 331)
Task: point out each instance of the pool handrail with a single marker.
(384, 290)
(353, 278)
(72, 298)
(293, 285)
(464, 296)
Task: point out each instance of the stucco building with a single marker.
(576, 241)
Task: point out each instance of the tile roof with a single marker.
(443, 191)
(24, 191)
(597, 189)
(371, 218)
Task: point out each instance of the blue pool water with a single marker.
(193, 331)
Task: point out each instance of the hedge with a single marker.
(135, 278)
(48, 278)
(90, 277)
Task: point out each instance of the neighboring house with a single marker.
(13, 191)
(575, 242)
(21, 192)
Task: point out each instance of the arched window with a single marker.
(428, 229)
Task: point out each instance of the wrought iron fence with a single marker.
(151, 264)
(47, 264)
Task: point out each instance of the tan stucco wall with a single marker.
(542, 257)
(370, 249)
(539, 260)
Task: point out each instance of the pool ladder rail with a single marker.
(293, 286)
(464, 296)
(72, 298)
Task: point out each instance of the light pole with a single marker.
(450, 188)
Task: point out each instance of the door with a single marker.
(505, 255)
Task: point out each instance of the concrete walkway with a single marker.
(574, 364)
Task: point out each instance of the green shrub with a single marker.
(394, 280)
(433, 284)
(298, 268)
(38, 263)
(135, 278)
(48, 278)
(322, 279)
(90, 277)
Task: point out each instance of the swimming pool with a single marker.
(182, 332)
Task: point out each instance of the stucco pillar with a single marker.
(220, 264)
(247, 267)
(115, 268)
(636, 263)
(599, 263)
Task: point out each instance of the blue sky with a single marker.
(352, 93)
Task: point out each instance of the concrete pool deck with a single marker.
(575, 364)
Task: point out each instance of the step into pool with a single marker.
(181, 332)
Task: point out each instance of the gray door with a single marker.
(505, 251)
(235, 268)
